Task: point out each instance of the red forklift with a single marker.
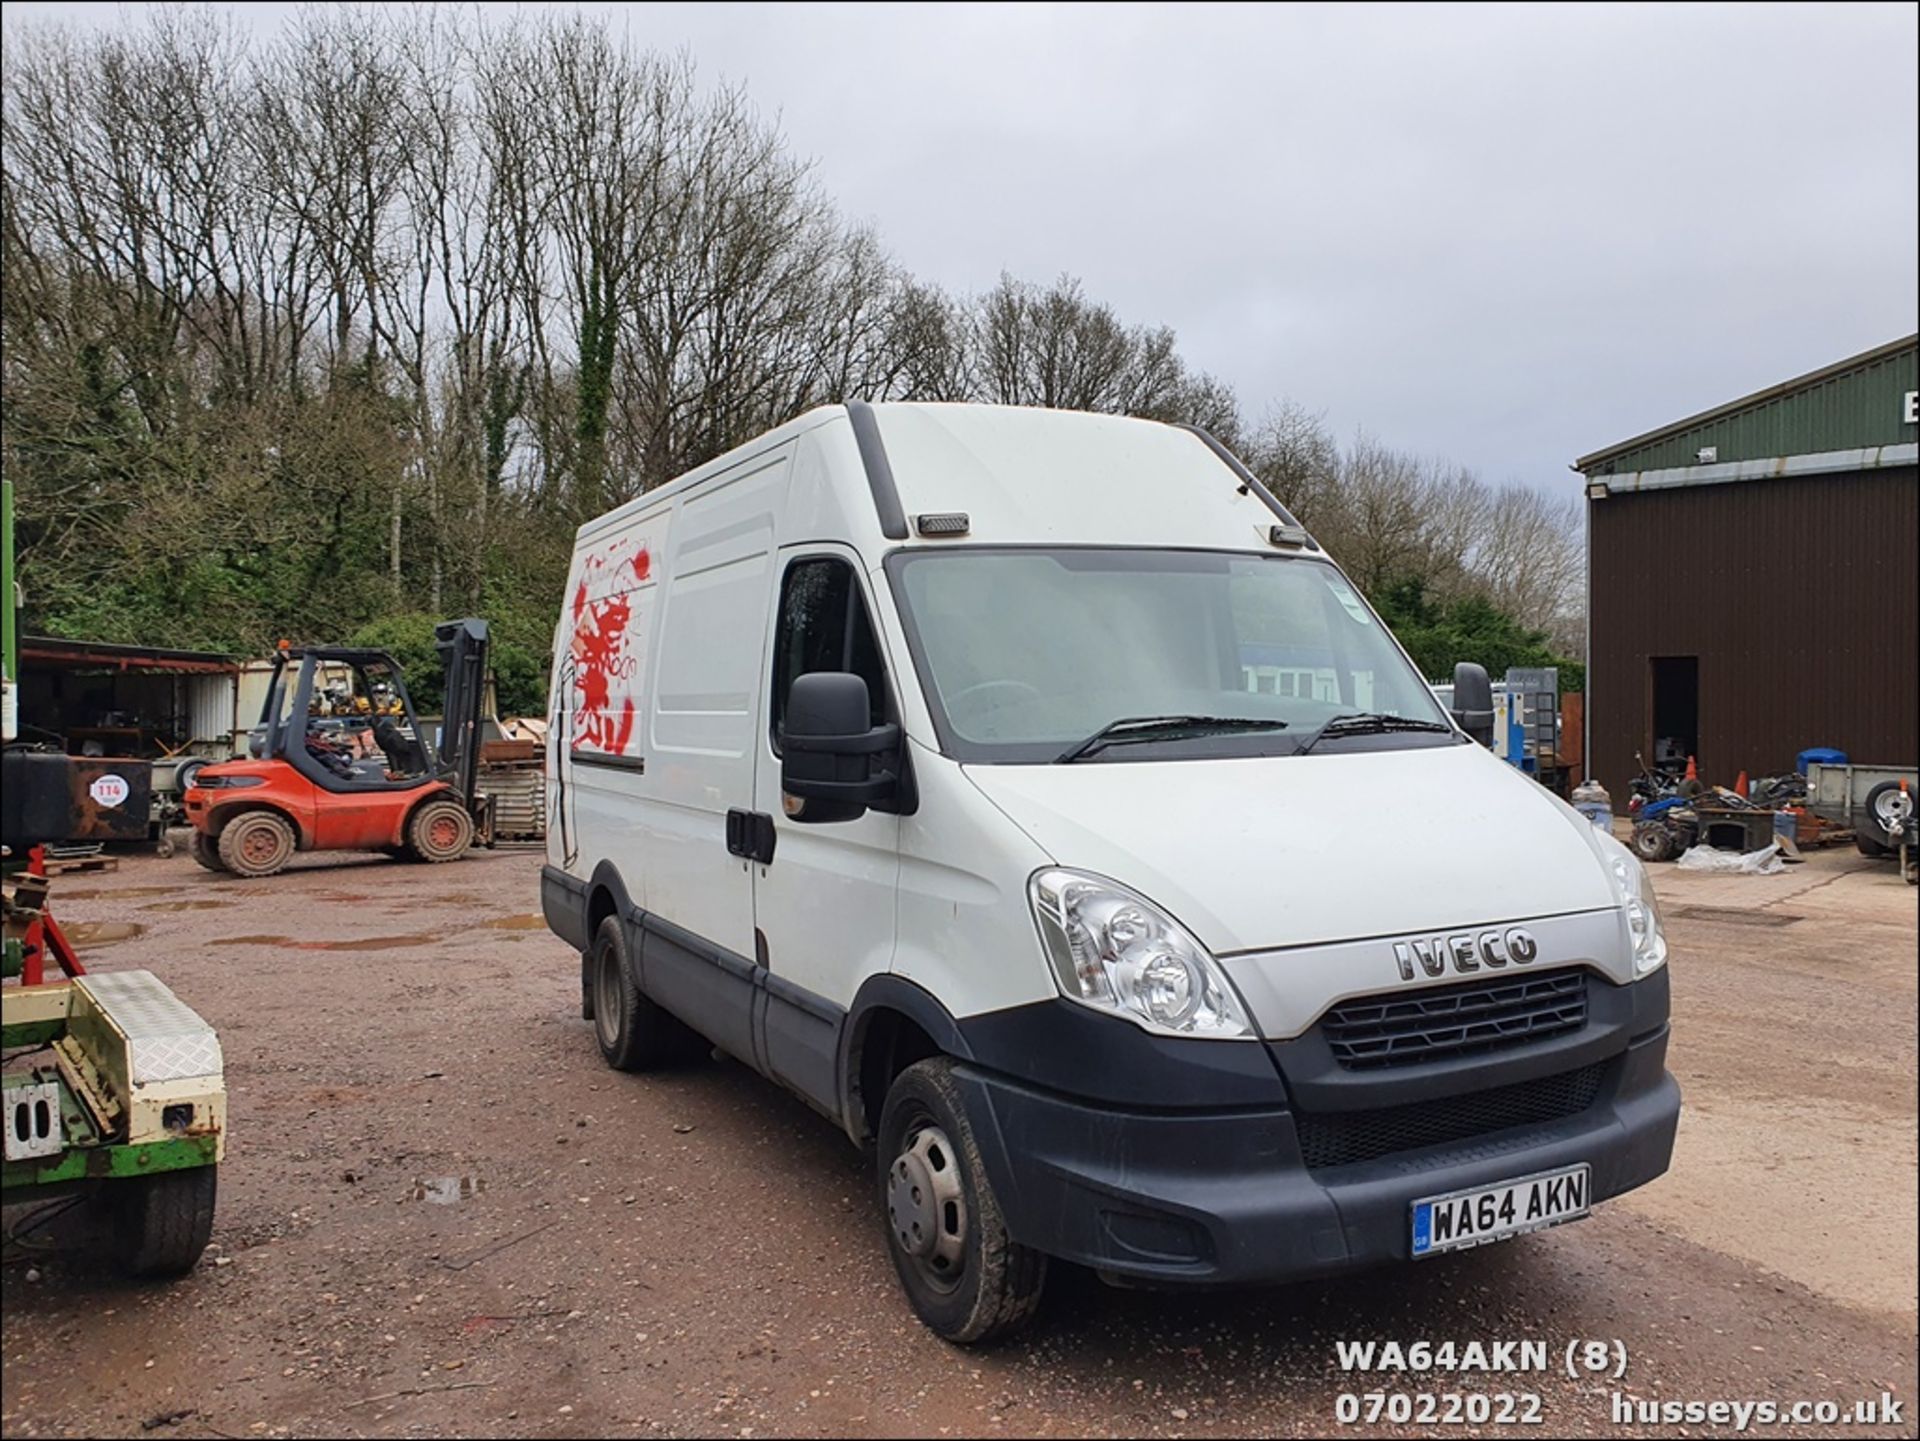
(340, 762)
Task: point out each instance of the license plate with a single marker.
(1492, 1213)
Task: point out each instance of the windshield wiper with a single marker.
(1162, 727)
(1365, 723)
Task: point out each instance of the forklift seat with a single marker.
(404, 753)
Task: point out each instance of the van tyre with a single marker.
(440, 831)
(634, 1034)
(256, 844)
(967, 1279)
(203, 850)
(163, 1222)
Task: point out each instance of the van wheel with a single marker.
(440, 831)
(634, 1033)
(967, 1279)
(256, 844)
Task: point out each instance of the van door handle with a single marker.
(750, 836)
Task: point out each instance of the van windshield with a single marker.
(1024, 654)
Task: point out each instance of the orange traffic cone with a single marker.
(1693, 771)
(1740, 786)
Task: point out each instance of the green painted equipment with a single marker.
(111, 1083)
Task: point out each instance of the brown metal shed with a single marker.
(1749, 601)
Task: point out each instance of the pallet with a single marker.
(58, 866)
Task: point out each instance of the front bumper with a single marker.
(1226, 1196)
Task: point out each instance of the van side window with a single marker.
(824, 626)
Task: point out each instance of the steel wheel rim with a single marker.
(443, 832)
(1892, 809)
(607, 998)
(260, 845)
(927, 1206)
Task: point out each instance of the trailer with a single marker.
(111, 1084)
(118, 1089)
(1876, 802)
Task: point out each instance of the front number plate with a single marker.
(1491, 1213)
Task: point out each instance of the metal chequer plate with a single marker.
(167, 1038)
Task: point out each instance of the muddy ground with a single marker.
(440, 1214)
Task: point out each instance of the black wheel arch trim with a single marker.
(890, 993)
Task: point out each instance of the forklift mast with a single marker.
(463, 657)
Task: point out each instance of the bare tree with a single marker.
(370, 318)
(925, 343)
(1291, 450)
(1533, 563)
(1054, 347)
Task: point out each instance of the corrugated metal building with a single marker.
(132, 700)
(1752, 577)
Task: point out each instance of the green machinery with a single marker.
(111, 1082)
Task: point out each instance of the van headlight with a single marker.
(1638, 903)
(1115, 950)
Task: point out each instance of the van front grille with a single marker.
(1393, 1030)
(1343, 1138)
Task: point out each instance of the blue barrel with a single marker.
(1820, 756)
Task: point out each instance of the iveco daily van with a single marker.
(1029, 793)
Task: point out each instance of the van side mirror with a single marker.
(831, 758)
(1473, 701)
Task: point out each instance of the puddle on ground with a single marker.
(100, 933)
(448, 1190)
(185, 905)
(367, 943)
(518, 923)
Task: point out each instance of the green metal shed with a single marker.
(1752, 582)
(1861, 403)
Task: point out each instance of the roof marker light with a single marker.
(952, 522)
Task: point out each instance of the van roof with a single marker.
(1024, 475)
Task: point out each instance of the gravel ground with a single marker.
(440, 1214)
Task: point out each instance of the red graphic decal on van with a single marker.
(604, 666)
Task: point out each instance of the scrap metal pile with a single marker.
(1673, 812)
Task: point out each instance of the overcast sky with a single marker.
(1502, 235)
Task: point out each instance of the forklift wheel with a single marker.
(440, 831)
(163, 1221)
(205, 852)
(258, 843)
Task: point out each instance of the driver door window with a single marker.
(824, 626)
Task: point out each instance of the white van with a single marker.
(1029, 793)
